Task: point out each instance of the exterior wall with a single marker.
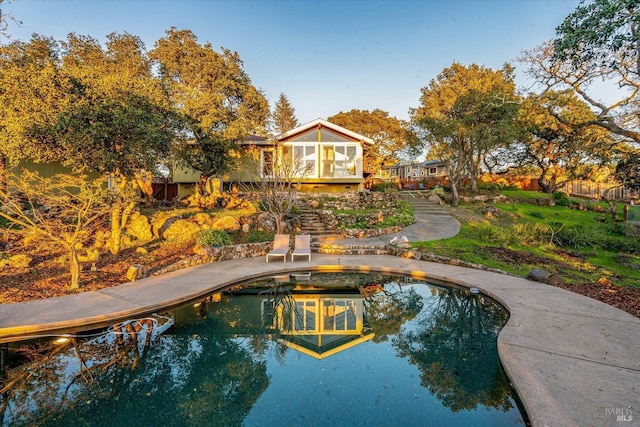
(186, 175)
(47, 170)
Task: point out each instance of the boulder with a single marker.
(400, 241)
(137, 271)
(226, 223)
(181, 230)
(538, 275)
(434, 198)
(555, 280)
(139, 227)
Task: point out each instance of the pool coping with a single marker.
(573, 361)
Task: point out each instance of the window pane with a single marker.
(328, 136)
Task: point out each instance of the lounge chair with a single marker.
(280, 247)
(302, 246)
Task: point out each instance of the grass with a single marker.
(579, 245)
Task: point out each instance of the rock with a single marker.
(545, 202)
(400, 241)
(434, 198)
(137, 271)
(181, 230)
(202, 218)
(139, 227)
(538, 275)
(226, 223)
(481, 198)
(490, 211)
(555, 280)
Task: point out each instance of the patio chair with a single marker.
(302, 246)
(280, 247)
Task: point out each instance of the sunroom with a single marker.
(327, 156)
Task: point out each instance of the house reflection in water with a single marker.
(314, 320)
(319, 325)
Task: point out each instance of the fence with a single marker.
(596, 190)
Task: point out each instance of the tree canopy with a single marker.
(599, 43)
(213, 94)
(560, 150)
(464, 113)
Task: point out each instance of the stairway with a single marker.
(310, 223)
(422, 206)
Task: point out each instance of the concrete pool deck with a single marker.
(573, 361)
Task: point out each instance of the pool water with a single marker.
(335, 349)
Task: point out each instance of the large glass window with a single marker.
(304, 159)
(339, 315)
(345, 163)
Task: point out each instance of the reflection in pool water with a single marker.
(314, 349)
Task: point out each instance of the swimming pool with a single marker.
(302, 349)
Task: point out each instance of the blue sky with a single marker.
(326, 56)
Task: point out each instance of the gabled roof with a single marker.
(323, 123)
(256, 140)
(402, 163)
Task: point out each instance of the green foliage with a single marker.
(580, 237)
(561, 199)
(628, 172)
(384, 187)
(257, 236)
(284, 115)
(211, 237)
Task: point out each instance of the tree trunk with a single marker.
(116, 231)
(454, 193)
(3, 174)
(548, 185)
(74, 268)
(146, 186)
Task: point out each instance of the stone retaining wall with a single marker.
(250, 250)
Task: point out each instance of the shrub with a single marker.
(561, 199)
(581, 237)
(384, 187)
(257, 236)
(212, 237)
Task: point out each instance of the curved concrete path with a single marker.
(573, 361)
(427, 227)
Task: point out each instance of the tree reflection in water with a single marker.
(182, 380)
(454, 344)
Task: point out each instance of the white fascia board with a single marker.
(329, 125)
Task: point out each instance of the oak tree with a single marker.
(214, 95)
(597, 43)
(558, 149)
(464, 113)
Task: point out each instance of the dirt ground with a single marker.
(627, 299)
(48, 276)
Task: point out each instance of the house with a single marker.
(326, 157)
(410, 174)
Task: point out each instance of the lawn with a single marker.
(580, 241)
